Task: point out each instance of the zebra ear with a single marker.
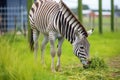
(60, 3)
(90, 31)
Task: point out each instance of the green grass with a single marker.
(17, 62)
(106, 44)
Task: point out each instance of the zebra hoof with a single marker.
(54, 71)
(85, 67)
(58, 69)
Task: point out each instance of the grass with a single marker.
(97, 63)
(106, 44)
(17, 62)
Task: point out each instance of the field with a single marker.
(17, 62)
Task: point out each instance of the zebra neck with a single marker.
(69, 25)
(66, 27)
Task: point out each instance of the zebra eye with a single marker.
(81, 47)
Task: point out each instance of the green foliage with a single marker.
(97, 63)
(85, 7)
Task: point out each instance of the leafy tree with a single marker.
(86, 7)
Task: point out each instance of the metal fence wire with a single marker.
(12, 18)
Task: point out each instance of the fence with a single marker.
(93, 22)
(12, 18)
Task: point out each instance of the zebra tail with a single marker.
(31, 41)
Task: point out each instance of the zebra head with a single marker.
(81, 49)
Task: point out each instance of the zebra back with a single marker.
(35, 10)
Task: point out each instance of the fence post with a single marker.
(24, 30)
(112, 15)
(80, 10)
(100, 16)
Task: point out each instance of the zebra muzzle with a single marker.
(87, 65)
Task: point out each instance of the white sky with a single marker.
(93, 4)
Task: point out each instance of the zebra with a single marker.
(56, 21)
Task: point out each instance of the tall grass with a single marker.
(17, 62)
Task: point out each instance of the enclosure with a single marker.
(17, 61)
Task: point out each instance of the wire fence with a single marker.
(13, 18)
(106, 23)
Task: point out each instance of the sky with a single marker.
(93, 4)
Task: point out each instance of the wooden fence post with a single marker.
(80, 10)
(112, 15)
(15, 26)
(100, 16)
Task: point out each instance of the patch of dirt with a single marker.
(114, 64)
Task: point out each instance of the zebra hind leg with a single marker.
(44, 42)
(35, 38)
(52, 46)
(60, 41)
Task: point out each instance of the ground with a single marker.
(115, 64)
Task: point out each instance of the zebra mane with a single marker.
(62, 4)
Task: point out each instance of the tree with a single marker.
(85, 7)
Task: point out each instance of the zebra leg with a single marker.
(45, 41)
(52, 47)
(60, 41)
(35, 38)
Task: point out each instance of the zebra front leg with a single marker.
(35, 38)
(60, 41)
(45, 41)
(52, 46)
